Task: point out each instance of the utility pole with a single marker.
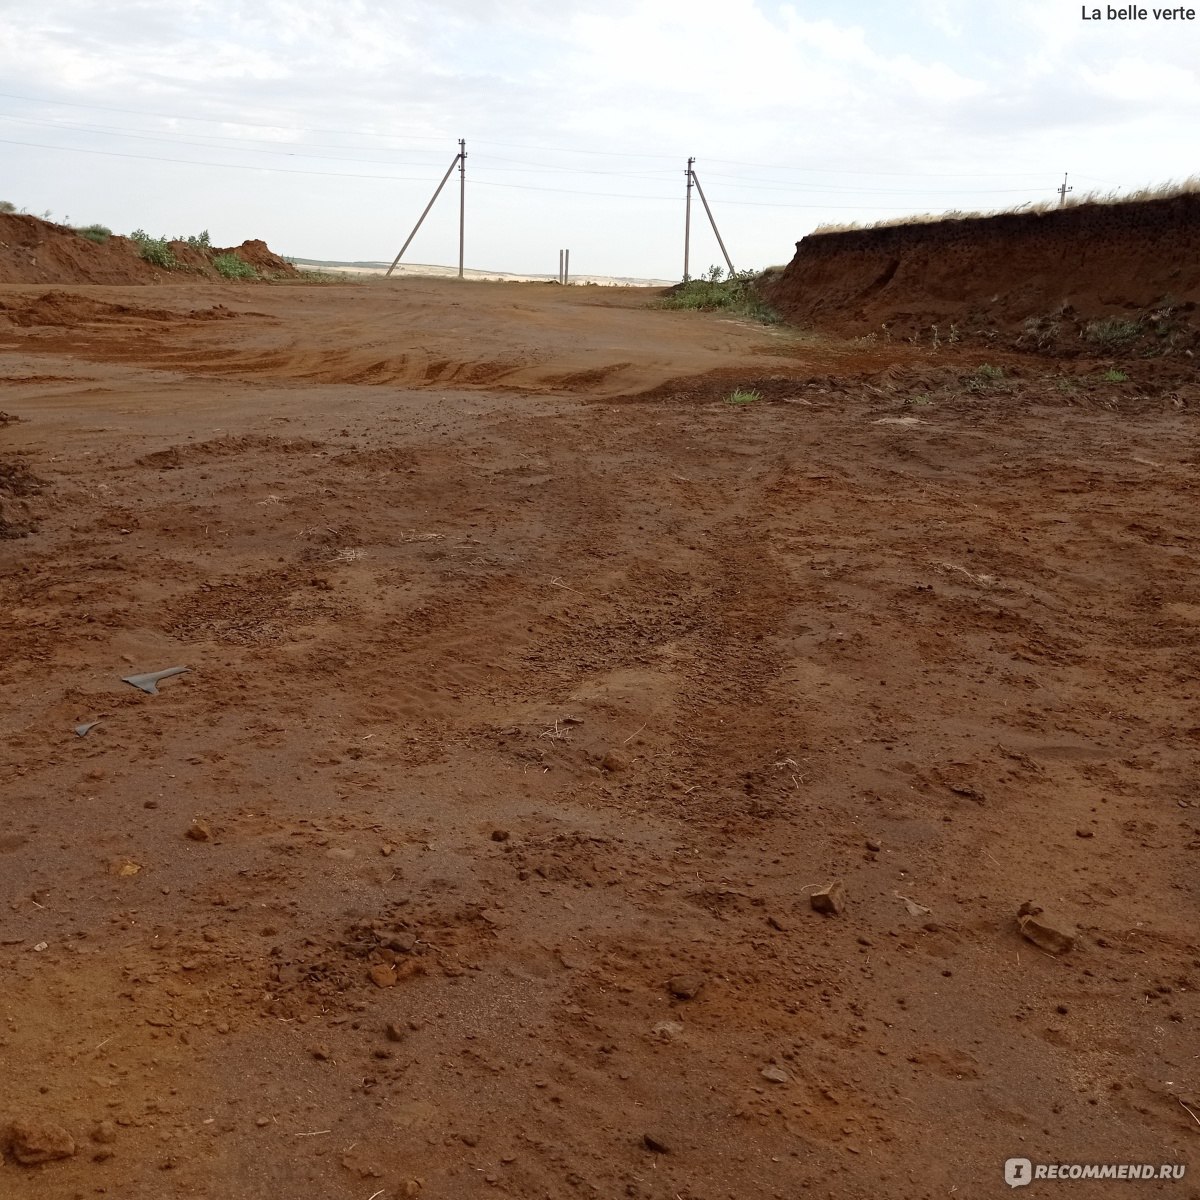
(687, 223)
(462, 202)
(560, 267)
(566, 267)
(1062, 191)
(696, 180)
(420, 220)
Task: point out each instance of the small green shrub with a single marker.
(195, 241)
(715, 292)
(1112, 332)
(233, 267)
(95, 233)
(156, 251)
(7, 206)
(1112, 375)
(985, 379)
(741, 396)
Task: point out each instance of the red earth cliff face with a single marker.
(1002, 274)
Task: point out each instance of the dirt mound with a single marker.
(37, 251)
(1118, 279)
(174, 457)
(65, 308)
(259, 255)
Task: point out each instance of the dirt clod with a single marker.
(104, 1132)
(685, 987)
(614, 761)
(382, 975)
(1045, 930)
(32, 1142)
(829, 900)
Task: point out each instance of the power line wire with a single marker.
(149, 137)
(756, 185)
(424, 179)
(521, 145)
(228, 166)
(141, 112)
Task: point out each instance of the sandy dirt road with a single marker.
(533, 689)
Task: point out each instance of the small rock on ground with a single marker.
(685, 987)
(830, 900)
(1046, 930)
(32, 1143)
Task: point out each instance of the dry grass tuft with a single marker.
(1163, 191)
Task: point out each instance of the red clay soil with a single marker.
(37, 251)
(1032, 279)
(474, 854)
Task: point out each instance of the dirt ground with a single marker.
(533, 688)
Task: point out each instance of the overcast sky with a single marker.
(323, 126)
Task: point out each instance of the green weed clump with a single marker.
(743, 396)
(233, 267)
(1112, 333)
(1112, 375)
(7, 206)
(156, 251)
(715, 291)
(94, 233)
(986, 379)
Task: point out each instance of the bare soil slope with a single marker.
(1035, 278)
(37, 251)
(532, 691)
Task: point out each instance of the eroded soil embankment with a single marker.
(37, 251)
(1119, 278)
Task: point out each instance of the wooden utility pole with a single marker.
(687, 223)
(421, 218)
(566, 267)
(696, 180)
(462, 202)
(560, 266)
(1062, 191)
